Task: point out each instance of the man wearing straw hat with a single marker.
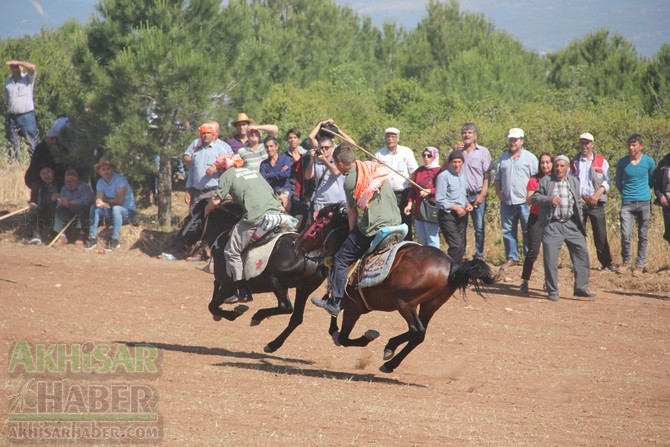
(114, 203)
(241, 139)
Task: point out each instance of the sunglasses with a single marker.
(427, 155)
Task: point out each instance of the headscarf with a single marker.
(371, 176)
(209, 126)
(435, 161)
(227, 161)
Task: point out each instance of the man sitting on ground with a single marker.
(75, 200)
(114, 203)
(43, 197)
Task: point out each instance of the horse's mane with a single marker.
(229, 208)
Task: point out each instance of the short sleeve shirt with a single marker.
(382, 211)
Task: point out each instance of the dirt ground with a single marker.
(506, 371)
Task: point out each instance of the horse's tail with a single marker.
(476, 273)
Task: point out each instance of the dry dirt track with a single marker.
(510, 371)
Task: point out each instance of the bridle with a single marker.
(313, 231)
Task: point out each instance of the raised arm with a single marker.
(30, 68)
(269, 129)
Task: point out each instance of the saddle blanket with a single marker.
(255, 258)
(376, 267)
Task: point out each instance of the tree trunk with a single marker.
(165, 192)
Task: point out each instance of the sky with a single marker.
(541, 25)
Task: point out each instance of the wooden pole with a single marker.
(373, 156)
(60, 233)
(13, 213)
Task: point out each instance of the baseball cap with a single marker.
(392, 130)
(515, 132)
(586, 136)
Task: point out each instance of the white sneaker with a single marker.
(35, 241)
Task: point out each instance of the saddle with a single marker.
(269, 229)
(376, 263)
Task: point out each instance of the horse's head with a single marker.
(196, 226)
(326, 233)
(192, 228)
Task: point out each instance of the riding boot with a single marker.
(332, 305)
(242, 294)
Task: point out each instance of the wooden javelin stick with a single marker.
(60, 233)
(375, 158)
(13, 213)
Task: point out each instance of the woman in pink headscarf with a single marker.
(428, 233)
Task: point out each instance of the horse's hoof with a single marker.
(268, 349)
(388, 354)
(239, 310)
(254, 322)
(385, 369)
(216, 317)
(336, 335)
(371, 334)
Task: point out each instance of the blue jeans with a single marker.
(510, 215)
(477, 216)
(352, 249)
(116, 215)
(427, 233)
(630, 212)
(25, 123)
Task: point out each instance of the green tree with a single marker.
(609, 60)
(656, 83)
(150, 71)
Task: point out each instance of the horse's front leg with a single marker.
(218, 295)
(283, 303)
(351, 314)
(301, 293)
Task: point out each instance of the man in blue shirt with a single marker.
(634, 179)
(452, 200)
(203, 178)
(515, 167)
(114, 203)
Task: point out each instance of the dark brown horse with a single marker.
(420, 281)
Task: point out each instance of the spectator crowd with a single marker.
(548, 201)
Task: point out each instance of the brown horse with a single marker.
(420, 281)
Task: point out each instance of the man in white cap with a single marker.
(594, 182)
(560, 215)
(400, 158)
(515, 167)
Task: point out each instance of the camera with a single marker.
(318, 151)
